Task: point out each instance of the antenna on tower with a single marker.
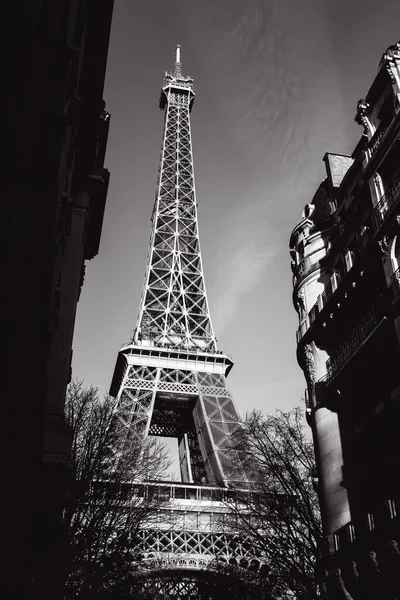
(178, 65)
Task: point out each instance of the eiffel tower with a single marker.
(170, 380)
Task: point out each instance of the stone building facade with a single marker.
(346, 290)
(54, 186)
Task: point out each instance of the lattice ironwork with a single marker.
(211, 379)
(216, 391)
(192, 584)
(160, 546)
(142, 372)
(139, 383)
(174, 308)
(177, 387)
(171, 375)
(162, 389)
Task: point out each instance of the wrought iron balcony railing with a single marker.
(377, 217)
(305, 267)
(385, 206)
(374, 142)
(300, 269)
(353, 341)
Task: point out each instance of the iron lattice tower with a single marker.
(170, 379)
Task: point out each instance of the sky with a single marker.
(277, 86)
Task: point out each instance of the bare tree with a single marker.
(280, 516)
(106, 507)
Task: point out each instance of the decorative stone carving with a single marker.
(391, 53)
(388, 556)
(389, 59)
(337, 587)
(390, 73)
(308, 211)
(351, 578)
(104, 114)
(394, 548)
(363, 109)
(384, 246)
(308, 364)
(301, 301)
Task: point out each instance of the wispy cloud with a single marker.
(247, 251)
(271, 120)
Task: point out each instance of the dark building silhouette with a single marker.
(345, 260)
(54, 186)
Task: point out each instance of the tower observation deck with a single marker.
(170, 379)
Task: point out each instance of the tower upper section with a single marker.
(175, 85)
(174, 309)
(170, 379)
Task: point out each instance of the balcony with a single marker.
(375, 141)
(354, 340)
(384, 207)
(300, 269)
(377, 217)
(303, 268)
(330, 288)
(363, 329)
(323, 298)
(360, 529)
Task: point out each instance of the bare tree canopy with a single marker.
(106, 509)
(280, 515)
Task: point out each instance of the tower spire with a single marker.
(178, 64)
